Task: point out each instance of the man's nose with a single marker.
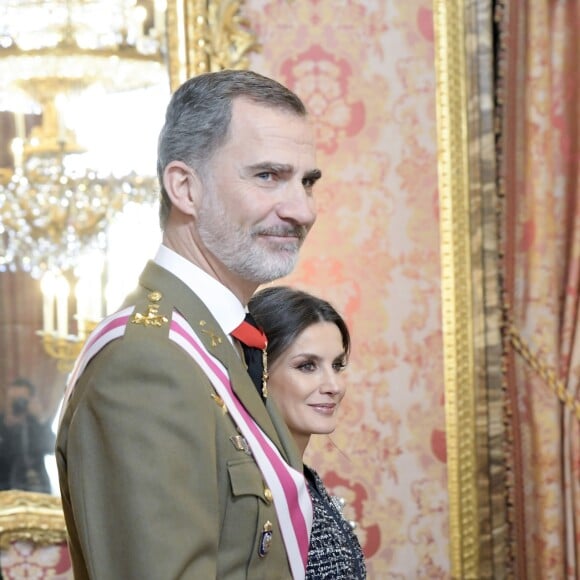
(298, 205)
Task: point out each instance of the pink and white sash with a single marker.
(107, 330)
(290, 494)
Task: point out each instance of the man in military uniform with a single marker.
(172, 464)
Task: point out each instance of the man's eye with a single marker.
(265, 176)
(308, 182)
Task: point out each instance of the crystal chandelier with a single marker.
(117, 43)
(52, 210)
(55, 206)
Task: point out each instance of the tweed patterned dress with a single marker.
(334, 552)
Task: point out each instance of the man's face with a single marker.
(258, 202)
(17, 403)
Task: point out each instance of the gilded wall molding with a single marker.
(457, 302)
(206, 35)
(471, 298)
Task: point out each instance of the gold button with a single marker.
(155, 296)
(268, 494)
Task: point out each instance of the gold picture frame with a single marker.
(471, 300)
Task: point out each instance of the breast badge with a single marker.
(241, 444)
(265, 540)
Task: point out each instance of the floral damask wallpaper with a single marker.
(23, 559)
(366, 70)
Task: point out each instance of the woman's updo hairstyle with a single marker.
(283, 313)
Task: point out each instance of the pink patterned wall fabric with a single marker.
(27, 560)
(366, 70)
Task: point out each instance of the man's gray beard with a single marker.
(238, 249)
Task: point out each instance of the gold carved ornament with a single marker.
(30, 516)
(206, 36)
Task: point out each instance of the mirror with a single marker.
(63, 183)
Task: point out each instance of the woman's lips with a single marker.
(324, 408)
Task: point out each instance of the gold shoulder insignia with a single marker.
(152, 316)
(215, 339)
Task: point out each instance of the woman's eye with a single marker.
(307, 367)
(339, 366)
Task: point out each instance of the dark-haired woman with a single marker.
(308, 348)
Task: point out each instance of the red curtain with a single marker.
(541, 179)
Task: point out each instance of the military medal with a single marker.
(265, 539)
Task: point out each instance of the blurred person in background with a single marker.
(25, 440)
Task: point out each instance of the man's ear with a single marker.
(183, 186)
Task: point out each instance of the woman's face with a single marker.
(306, 381)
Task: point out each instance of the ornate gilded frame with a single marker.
(471, 301)
(35, 517)
(206, 35)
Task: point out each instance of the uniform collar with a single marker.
(220, 301)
